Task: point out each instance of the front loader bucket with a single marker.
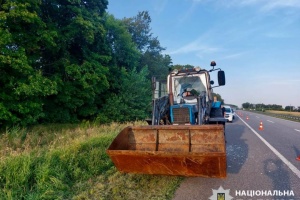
(185, 150)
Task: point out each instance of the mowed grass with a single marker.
(69, 162)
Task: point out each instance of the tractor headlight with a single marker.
(197, 69)
(175, 71)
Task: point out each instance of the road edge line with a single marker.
(279, 155)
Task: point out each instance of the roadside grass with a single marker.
(296, 114)
(67, 161)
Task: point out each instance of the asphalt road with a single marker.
(261, 164)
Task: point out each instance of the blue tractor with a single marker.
(189, 100)
(185, 136)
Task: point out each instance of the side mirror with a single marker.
(221, 78)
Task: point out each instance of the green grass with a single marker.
(69, 162)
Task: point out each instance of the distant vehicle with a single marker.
(229, 113)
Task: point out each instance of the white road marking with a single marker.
(270, 121)
(297, 130)
(257, 116)
(279, 155)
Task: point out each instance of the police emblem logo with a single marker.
(220, 196)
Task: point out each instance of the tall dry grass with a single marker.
(69, 162)
(296, 114)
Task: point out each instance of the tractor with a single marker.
(186, 134)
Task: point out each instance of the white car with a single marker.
(229, 113)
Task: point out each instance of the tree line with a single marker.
(262, 106)
(63, 61)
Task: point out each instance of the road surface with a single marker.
(261, 164)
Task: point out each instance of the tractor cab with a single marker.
(186, 86)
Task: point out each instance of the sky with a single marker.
(256, 43)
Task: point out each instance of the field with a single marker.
(296, 114)
(69, 162)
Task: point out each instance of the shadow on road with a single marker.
(297, 151)
(274, 169)
(236, 147)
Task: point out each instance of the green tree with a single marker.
(158, 64)
(177, 66)
(139, 28)
(246, 105)
(124, 58)
(67, 60)
(123, 50)
(54, 60)
(79, 61)
(149, 46)
(23, 84)
(133, 101)
(129, 95)
(289, 108)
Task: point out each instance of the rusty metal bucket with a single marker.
(185, 150)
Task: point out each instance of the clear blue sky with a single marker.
(256, 42)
